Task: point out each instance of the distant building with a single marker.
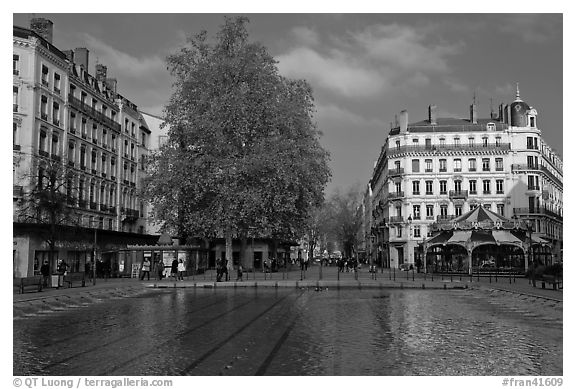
(63, 113)
(439, 168)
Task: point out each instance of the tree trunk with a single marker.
(229, 264)
(244, 249)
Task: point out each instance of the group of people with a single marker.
(177, 269)
(350, 264)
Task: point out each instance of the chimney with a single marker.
(432, 114)
(81, 57)
(111, 84)
(101, 72)
(403, 121)
(69, 54)
(42, 27)
(501, 113)
(473, 114)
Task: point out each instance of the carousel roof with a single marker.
(479, 218)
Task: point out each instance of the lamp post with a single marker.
(529, 226)
(409, 237)
(94, 255)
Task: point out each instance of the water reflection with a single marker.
(291, 332)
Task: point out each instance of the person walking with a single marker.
(240, 273)
(45, 271)
(160, 270)
(87, 271)
(181, 269)
(174, 269)
(145, 269)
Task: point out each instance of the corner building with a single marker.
(63, 113)
(440, 168)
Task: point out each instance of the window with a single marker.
(415, 166)
(415, 141)
(132, 155)
(83, 128)
(113, 144)
(500, 186)
(44, 75)
(56, 114)
(125, 125)
(143, 136)
(472, 184)
(428, 187)
(14, 134)
(530, 161)
(500, 209)
(416, 212)
(94, 102)
(498, 141)
(396, 163)
(499, 164)
(415, 187)
(104, 166)
(457, 165)
(485, 164)
(487, 206)
(486, 186)
(42, 144)
(484, 142)
(72, 122)
(134, 132)
(44, 107)
(442, 187)
(94, 133)
(458, 186)
(105, 137)
(428, 143)
(15, 64)
(428, 163)
(398, 186)
(72, 90)
(443, 165)
(429, 212)
(83, 98)
(491, 127)
(397, 144)
(529, 143)
(398, 211)
(57, 83)
(417, 231)
(443, 211)
(458, 210)
(457, 142)
(442, 141)
(399, 232)
(532, 121)
(14, 99)
(83, 157)
(471, 142)
(55, 141)
(71, 146)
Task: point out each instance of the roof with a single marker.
(451, 125)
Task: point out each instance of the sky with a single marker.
(363, 68)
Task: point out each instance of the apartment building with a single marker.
(440, 168)
(64, 114)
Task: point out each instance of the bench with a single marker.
(33, 284)
(549, 279)
(71, 278)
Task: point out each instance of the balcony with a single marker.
(18, 191)
(395, 195)
(444, 218)
(98, 116)
(44, 116)
(14, 107)
(457, 169)
(396, 219)
(435, 149)
(56, 122)
(471, 169)
(533, 187)
(72, 130)
(442, 170)
(16, 147)
(83, 135)
(458, 194)
(45, 83)
(431, 217)
(428, 170)
(518, 167)
(473, 192)
(391, 172)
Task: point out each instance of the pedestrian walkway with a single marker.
(314, 277)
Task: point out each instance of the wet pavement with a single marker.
(127, 328)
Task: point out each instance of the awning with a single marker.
(440, 238)
(538, 240)
(460, 237)
(503, 236)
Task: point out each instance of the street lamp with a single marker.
(530, 227)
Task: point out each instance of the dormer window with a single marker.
(442, 141)
(532, 121)
(490, 127)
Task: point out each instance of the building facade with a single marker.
(440, 168)
(62, 113)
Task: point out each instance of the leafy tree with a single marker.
(345, 220)
(243, 151)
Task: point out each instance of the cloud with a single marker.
(305, 36)
(379, 58)
(532, 28)
(456, 86)
(345, 118)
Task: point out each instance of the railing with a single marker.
(79, 105)
(448, 147)
(536, 210)
(395, 195)
(441, 218)
(518, 166)
(458, 194)
(550, 175)
(429, 217)
(396, 219)
(533, 187)
(391, 172)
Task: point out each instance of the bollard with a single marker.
(444, 286)
(412, 275)
(423, 286)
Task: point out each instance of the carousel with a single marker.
(481, 240)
